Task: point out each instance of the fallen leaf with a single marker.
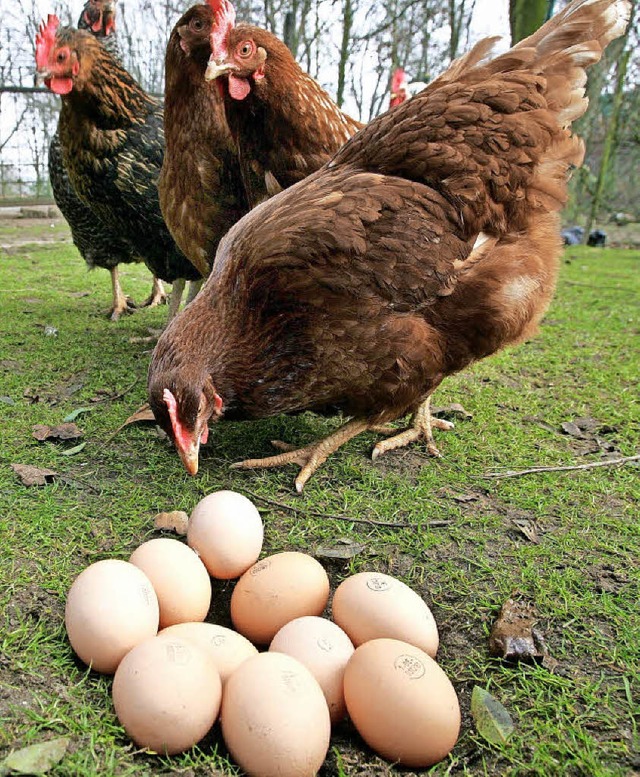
(513, 636)
(462, 498)
(587, 424)
(568, 427)
(75, 413)
(7, 401)
(74, 450)
(454, 410)
(33, 476)
(37, 759)
(492, 720)
(176, 520)
(346, 550)
(528, 529)
(80, 294)
(62, 432)
(142, 415)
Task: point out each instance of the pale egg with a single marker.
(372, 605)
(226, 647)
(225, 529)
(179, 578)
(167, 693)
(401, 702)
(324, 648)
(276, 590)
(274, 718)
(111, 607)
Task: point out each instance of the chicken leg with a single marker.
(311, 456)
(121, 303)
(422, 425)
(158, 295)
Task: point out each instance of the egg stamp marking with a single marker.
(260, 567)
(324, 645)
(178, 654)
(146, 592)
(411, 666)
(218, 639)
(291, 680)
(378, 584)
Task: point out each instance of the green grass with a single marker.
(582, 574)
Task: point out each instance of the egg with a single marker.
(371, 605)
(226, 647)
(179, 578)
(111, 607)
(401, 702)
(276, 590)
(324, 648)
(225, 529)
(166, 693)
(274, 718)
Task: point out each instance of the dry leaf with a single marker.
(513, 636)
(454, 410)
(33, 476)
(176, 521)
(61, 432)
(37, 759)
(142, 415)
(346, 550)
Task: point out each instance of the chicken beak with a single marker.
(41, 77)
(189, 456)
(215, 70)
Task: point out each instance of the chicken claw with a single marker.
(311, 456)
(422, 425)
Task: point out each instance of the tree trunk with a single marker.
(347, 24)
(526, 16)
(610, 143)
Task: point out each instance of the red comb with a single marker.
(45, 39)
(224, 21)
(398, 80)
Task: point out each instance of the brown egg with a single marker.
(371, 605)
(274, 718)
(324, 649)
(167, 693)
(225, 529)
(226, 647)
(111, 607)
(276, 590)
(401, 702)
(179, 578)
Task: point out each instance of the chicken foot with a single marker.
(311, 456)
(422, 425)
(158, 295)
(122, 304)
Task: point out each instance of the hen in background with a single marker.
(401, 88)
(200, 186)
(284, 124)
(112, 142)
(98, 242)
(429, 241)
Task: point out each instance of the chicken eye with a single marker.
(197, 24)
(246, 48)
(61, 56)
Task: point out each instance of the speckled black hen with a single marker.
(112, 141)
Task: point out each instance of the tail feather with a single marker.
(494, 136)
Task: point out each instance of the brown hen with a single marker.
(431, 240)
(284, 124)
(201, 194)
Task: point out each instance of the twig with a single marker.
(113, 397)
(347, 518)
(533, 470)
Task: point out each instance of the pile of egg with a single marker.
(175, 675)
